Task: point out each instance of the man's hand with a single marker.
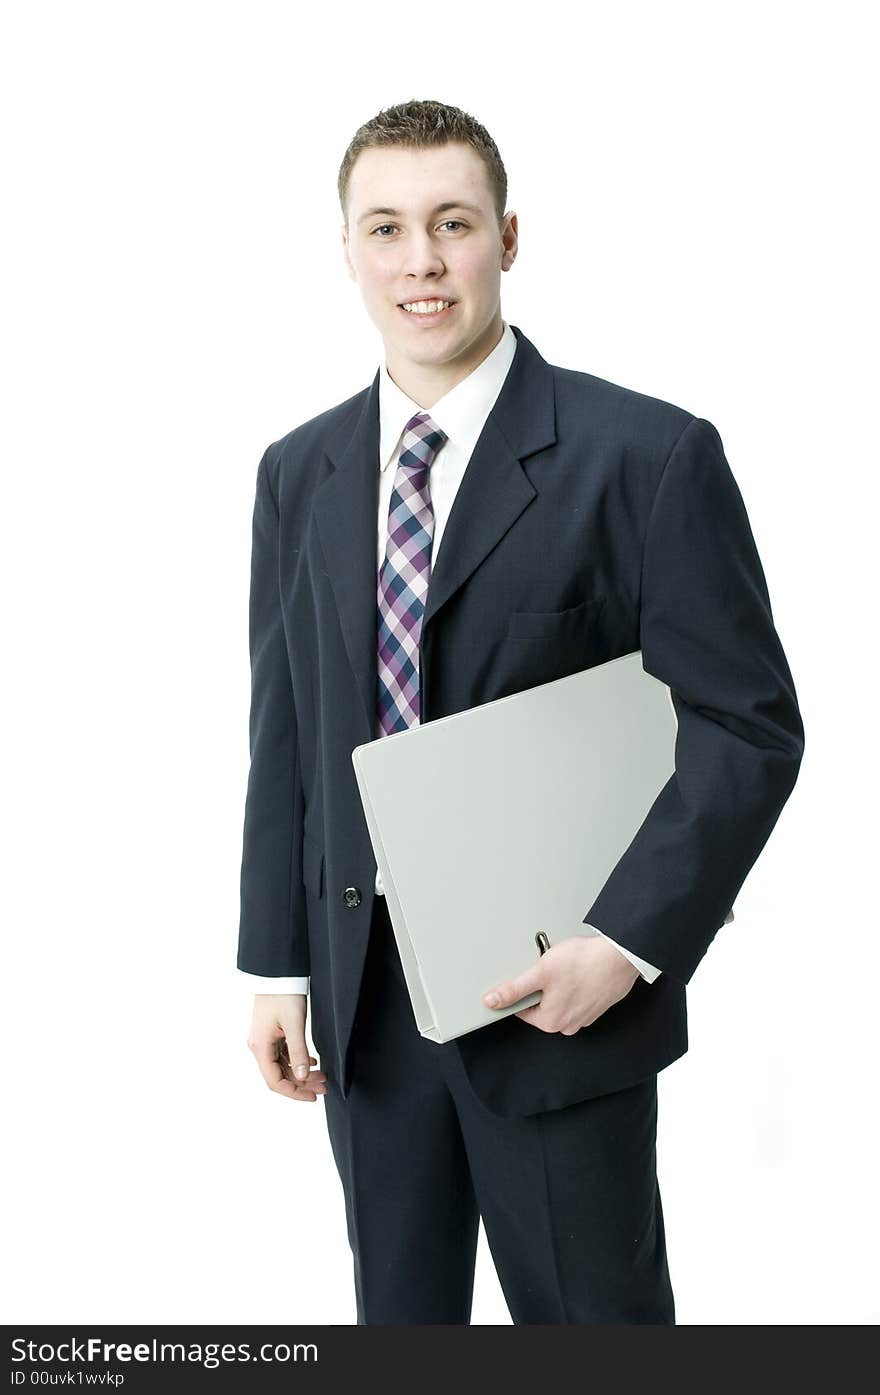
(580, 978)
(278, 1040)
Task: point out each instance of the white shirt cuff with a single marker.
(261, 984)
(646, 970)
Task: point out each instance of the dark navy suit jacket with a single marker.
(591, 521)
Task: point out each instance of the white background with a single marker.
(691, 184)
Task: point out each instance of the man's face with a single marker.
(422, 251)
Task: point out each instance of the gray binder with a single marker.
(504, 820)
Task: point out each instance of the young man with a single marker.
(474, 523)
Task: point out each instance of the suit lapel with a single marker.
(493, 493)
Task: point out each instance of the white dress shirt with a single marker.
(461, 413)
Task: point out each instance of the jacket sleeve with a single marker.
(272, 939)
(707, 631)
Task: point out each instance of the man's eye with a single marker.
(456, 221)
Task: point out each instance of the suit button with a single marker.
(352, 896)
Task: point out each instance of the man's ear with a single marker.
(509, 241)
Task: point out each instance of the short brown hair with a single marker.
(419, 124)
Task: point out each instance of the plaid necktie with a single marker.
(404, 577)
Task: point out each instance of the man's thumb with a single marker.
(298, 1052)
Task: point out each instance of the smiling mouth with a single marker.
(426, 309)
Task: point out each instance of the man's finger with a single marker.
(272, 1067)
(274, 1063)
(535, 1016)
(503, 994)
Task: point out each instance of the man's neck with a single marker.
(426, 383)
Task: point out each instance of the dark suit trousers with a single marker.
(569, 1198)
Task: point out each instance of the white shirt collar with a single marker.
(458, 413)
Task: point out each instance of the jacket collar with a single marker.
(460, 412)
(493, 493)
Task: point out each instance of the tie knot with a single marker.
(422, 438)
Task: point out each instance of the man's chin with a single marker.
(430, 351)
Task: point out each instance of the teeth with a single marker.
(427, 307)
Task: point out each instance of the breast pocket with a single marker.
(559, 625)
